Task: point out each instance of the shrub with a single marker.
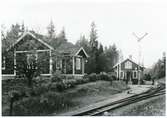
(134, 81)
(57, 77)
(65, 84)
(38, 90)
(82, 80)
(47, 103)
(69, 77)
(71, 83)
(53, 86)
(142, 82)
(113, 75)
(60, 86)
(104, 76)
(92, 77)
(147, 77)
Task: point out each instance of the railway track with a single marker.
(159, 90)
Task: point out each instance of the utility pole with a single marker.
(139, 46)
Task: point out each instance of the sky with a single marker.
(115, 21)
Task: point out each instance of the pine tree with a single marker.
(51, 30)
(83, 42)
(93, 36)
(62, 35)
(2, 32)
(13, 34)
(112, 56)
(22, 28)
(94, 49)
(101, 61)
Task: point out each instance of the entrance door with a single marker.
(129, 76)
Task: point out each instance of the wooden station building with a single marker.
(128, 70)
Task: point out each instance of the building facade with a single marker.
(128, 70)
(66, 57)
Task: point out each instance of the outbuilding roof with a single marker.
(126, 60)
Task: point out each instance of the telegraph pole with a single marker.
(139, 46)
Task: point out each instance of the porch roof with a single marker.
(70, 49)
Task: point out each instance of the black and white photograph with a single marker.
(83, 57)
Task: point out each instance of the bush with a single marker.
(83, 80)
(65, 84)
(112, 75)
(71, 83)
(147, 77)
(60, 86)
(142, 82)
(104, 76)
(35, 106)
(38, 90)
(134, 81)
(69, 77)
(57, 77)
(92, 77)
(53, 86)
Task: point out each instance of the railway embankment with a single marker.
(134, 90)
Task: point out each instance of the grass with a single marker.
(58, 102)
(151, 107)
(93, 92)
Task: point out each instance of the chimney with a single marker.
(130, 57)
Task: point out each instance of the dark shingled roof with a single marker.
(68, 48)
(59, 46)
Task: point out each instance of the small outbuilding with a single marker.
(129, 71)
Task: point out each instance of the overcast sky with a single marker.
(115, 21)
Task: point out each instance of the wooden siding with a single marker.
(9, 62)
(43, 62)
(134, 66)
(29, 43)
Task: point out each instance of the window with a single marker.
(135, 74)
(3, 63)
(31, 58)
(128, 65)
(59, 64)
(78, 63)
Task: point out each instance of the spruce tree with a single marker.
(94, 49)
(51, 30)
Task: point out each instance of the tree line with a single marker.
(101, 58)
(159, 68)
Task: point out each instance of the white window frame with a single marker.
(128, 65)
(30, 54)
(3, 63)
(59, 64)
(78, 63)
